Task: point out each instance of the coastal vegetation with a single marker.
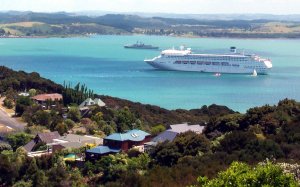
(259, 147)
(30, 24)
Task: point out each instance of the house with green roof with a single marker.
(118, 142)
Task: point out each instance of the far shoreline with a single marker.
(137, 34)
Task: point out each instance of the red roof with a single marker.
(44, 97)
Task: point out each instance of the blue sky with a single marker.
(162, 6)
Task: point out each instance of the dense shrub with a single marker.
(239, 174)
(18, 139)
(8, 103)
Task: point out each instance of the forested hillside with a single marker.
(67, 24)
(260, 147)
(12, 82)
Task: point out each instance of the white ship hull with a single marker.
(206, 68)
(233, 63)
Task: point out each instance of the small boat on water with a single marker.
(140, 45)
(254, 73)
(217, 74)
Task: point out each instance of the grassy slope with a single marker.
(43, 24)
(44, 29)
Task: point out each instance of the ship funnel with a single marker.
(233, 49)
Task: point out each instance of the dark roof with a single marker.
(166, 135)
(48, 136)
(29, 146)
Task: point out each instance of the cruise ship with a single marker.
(233, 62)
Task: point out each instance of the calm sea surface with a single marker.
(105, 66)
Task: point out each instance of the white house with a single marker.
(90, 102)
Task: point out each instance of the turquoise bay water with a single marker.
(105, 66)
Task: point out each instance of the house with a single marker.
(99, 102)
(90, 102)
(44, 99)
(42, 138)
(118, 142)
(176, 129)
(170, 134)
(84, 107)
(181, 128)
(167, 135)
(74, 141)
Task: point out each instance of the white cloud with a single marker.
(167, 6)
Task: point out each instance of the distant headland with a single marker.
(34, 25)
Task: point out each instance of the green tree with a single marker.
(23, 183)
(166, 154)
(236, 141)
(57, 176)
(124, 119)
(21, 104)
(5, 146)
(40, 179)
(32, 92)
(70, 123)
(61, 128)
(139, 163)
(107, 129)
(185, 144)
(157, 129)
(76, 178)
(192, 144)
(239, 174)
(74, 114)
(225, 123)
(8, 170)
(43, 118)
(97, 117)
(31, 170)
(8, 103)
(18, 139)
(91, 128)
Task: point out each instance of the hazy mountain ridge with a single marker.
(62, 23)
(288, 17)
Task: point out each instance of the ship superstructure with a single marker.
(140, 45)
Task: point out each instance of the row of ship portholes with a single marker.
(228, 58)
(206, 63)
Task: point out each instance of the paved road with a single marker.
(10, 122)
(5, 119)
